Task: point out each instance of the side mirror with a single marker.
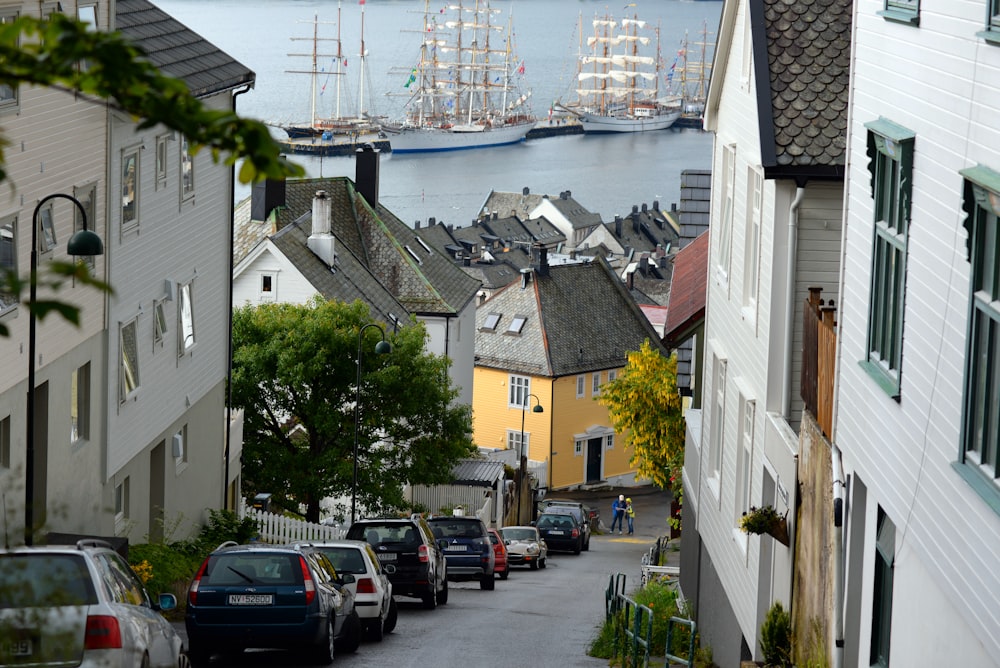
(346, 578)
(168, 601)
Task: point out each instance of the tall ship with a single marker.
(463, 91)
(692, 77)
(618, 82)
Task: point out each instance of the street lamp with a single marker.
(83, 242)
(524, 452)
(383, 347)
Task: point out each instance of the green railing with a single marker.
(633, 624)
(673, 659)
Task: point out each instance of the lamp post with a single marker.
(383, 347)
(83, 242)
(524, 452)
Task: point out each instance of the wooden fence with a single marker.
(278, 529)
(819, 350)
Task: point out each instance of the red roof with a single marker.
(687, 290)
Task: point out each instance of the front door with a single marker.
(594, 459)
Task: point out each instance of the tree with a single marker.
(643, 402)
(295, 375)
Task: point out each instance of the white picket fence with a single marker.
(278, 529)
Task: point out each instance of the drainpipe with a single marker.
(837, 470)
(793, 224)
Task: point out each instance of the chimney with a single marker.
(266, 196)
(564, 194)
(525, 191)
(644, 264)
(540, 260)
(656, 205)
(631, 280)
(635, 218)
(618, 226)
(321, 242)
(416, 225)
(432, 221)
(644, 209)
(673, 206)
(494, 216)
(366, 173)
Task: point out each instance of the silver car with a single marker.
(524, 547)
(81, 605)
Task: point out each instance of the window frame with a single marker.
(882, 586)
(751, 260)
(130, 218)
(723, 255)
(185, 319)
(581, 386)
(890, 153)
(516, 325)
(122, 503)
(80, 404)
(267, 286)
(519, 387)
(718, 419)
(162, 160)
(744, 463)
(160, 326)
(187, 171)
(128, 390)
(578, 447)
(514, 441)
(47, 239)
(991, 28)
(901, 11)
(491, 322)
(595, 384)
(10, 102)
(9, 301)
(87, 196)
(609, 442)
(5, 442)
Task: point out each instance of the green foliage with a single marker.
(759, 520)
(661, 599)
(644, 403)
(295, 374)
(776, 637)
(224, 525)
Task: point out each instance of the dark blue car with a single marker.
(467, 549)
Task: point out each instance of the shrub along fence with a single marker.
(633, 628)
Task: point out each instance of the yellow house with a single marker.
(552, 339)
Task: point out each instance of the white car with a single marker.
(525, 546)
(372, 589)
(82, 605)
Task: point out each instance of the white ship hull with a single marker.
(595, 123)
(424, 140)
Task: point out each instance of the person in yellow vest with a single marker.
(630, 516)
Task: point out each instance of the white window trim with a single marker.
(751, 261)
(186, 325)
(124, 394)
(268, 295)
(595, 384)
(581, 386)
(520, 385)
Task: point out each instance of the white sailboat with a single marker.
(462, 93)
(618, 84)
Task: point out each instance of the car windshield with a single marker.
(346, 559)
(452, 528)
(45, 580)
(244, 568)
(519, 534)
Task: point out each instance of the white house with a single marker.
(777, 105)
(916, 426)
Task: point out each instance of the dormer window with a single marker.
(491, 322)
(517, 324)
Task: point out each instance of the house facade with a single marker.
(779, 117)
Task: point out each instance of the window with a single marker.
(159, 322)
(8, 260)
(185, 320)
(516, 324)
(491, 322)
(609, 442)
(901, 11)
(751, 261)
(121, 504)
(179, 446)
(718, 418)
(187, 169)
(612, 374)
(87, 196)
(595, 386)
(80, 404)
(992, 32)
(161, 160)
(578, 448)
(5, 443)
(581, 386)
(890, 148)
(8, 92)
(981, 405)
(86, 14)
(128, 372)
(885, 555)
(130, 188)
(745, 460)
(514, 441)
(726, 222)
(520, 388)
(47, 228)
(267, 287)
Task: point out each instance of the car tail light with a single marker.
(193, 589)
(576, 532)
(308, 580)
(102, 632)
(366, 586)
(422, 554)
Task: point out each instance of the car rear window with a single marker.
(555, 522)
(245, 568)
(395, 535)
(45, 580)
(453, 528)
(346, 559)
(519, 534)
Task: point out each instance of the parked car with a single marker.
(467, 549)
(81, 605)
(580, 515)
(410, 556)
(561, 531)
(501, 566)
(371, 587)
(252, 596)
(524, 546)
(590, 512)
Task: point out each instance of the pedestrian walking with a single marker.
(618, 513)
(630, 516)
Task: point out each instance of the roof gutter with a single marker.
(793, 224)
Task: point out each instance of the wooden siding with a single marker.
(903, 450)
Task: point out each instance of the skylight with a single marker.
(491, 322)
(517, 324)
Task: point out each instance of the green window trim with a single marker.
(901, 11)
(991, 31)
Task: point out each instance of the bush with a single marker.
(776, 637)
(662, 600)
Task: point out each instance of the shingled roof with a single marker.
(179, 51)
(578, 318)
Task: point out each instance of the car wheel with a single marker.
(488, 582)
(578, 548)
(183, 661)
(323, 652)
(505, 574)
(534, 565)
(586, 546)
(431, 598)
(350, 637)
(198, 654)
(443, 594)
(145, 661)
(375, 629)
(390, 617)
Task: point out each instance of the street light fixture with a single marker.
(383, 347)
(524, 452)
(83, 242)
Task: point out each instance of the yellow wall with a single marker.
(553, 430)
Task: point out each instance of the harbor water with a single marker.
(607, 174)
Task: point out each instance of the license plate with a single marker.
(387, 556)
(556, 532)
(456, 548)
(251, 599)
(16, 648)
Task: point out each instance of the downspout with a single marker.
(793, 224)
(229, 321)
(837, 469)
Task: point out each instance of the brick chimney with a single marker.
(322, 242)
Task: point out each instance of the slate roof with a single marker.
(693, 212)
(510, 204)
(644, 229)
(579, 318)
(575, 213)
(179, 51)
(477, 472)
(803, 99)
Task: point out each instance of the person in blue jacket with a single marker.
(618, 513)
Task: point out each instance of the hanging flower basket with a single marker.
(766, 520)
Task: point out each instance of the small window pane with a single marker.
(130, 189)
(187, 169)
(129, 380)
(8, 259)
(159, 322)
(47, 239)
(186, 319)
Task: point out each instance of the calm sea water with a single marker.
(607, 174)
